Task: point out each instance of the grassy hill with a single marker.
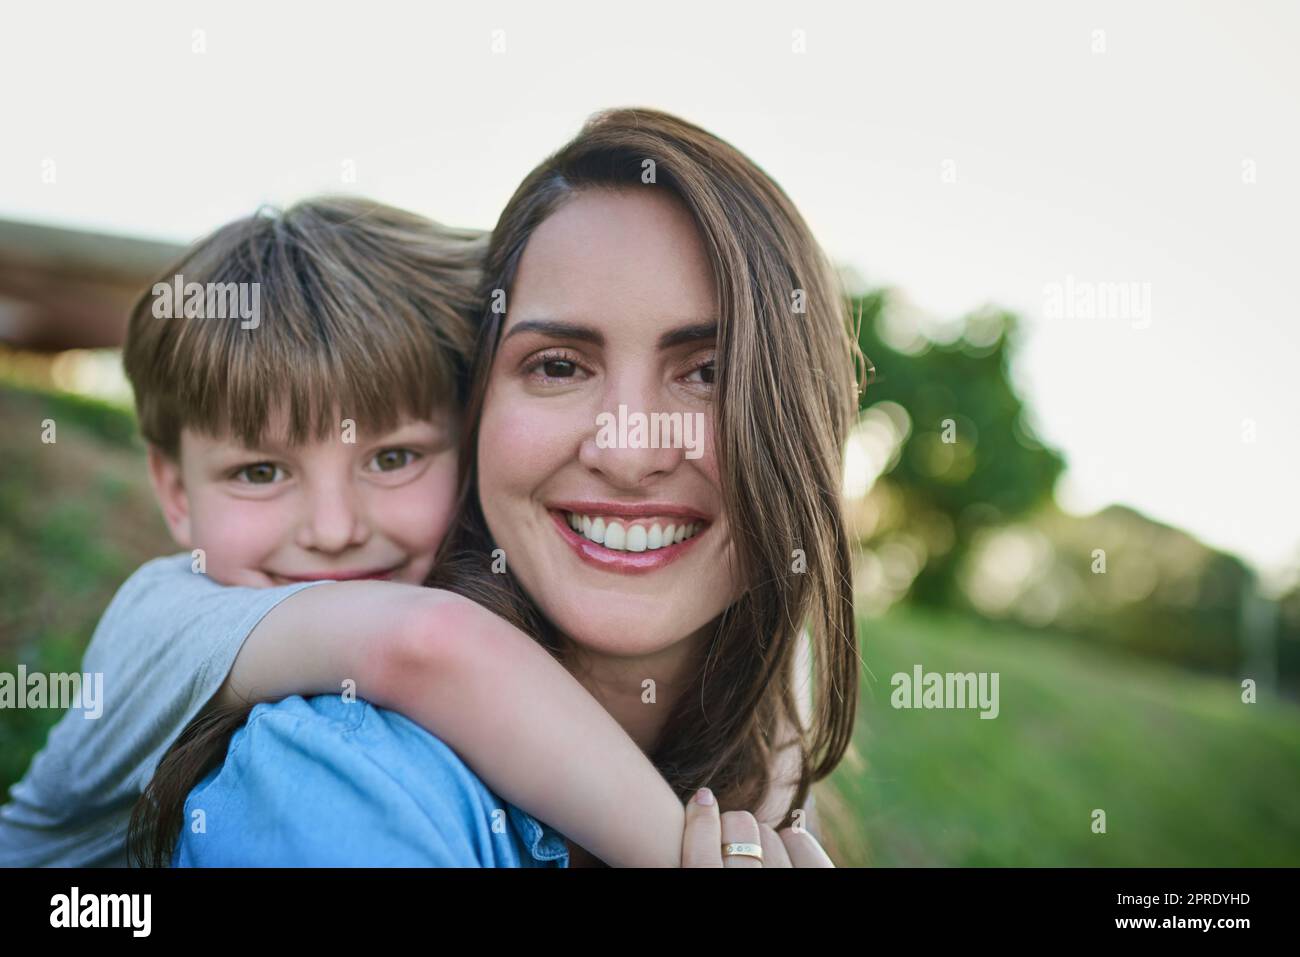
(76, 518)
(1186, 773)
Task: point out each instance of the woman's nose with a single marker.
(632, 445)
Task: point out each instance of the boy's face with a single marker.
(374, 508)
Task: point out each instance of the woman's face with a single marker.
(612, 317)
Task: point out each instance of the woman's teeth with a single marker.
(618, 537)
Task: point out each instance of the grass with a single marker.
(76, 518)
(1186, 773)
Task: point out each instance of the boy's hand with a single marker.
(707, 830)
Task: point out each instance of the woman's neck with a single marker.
(620, 684)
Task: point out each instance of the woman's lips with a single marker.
(623, 562)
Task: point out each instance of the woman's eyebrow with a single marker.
(695, 332)
(557, 330)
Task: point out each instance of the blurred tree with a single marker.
(1119, 578)
(972, 459)
(1288, 652)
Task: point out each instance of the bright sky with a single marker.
(963, 153)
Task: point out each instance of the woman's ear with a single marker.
(169, 489)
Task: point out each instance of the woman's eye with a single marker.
(707, 372)
(558, 368)
(554, 368)
(261, 473)
(390, 460)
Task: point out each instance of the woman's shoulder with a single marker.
(336, 735)
(335, 780)
(326, 714)
(353, 729)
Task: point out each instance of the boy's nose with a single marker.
(334, 521)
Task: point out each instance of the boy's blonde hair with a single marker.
(364, 312)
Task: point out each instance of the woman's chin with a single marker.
(626, 626)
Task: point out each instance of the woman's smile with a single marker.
(628, 539)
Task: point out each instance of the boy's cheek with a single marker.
(418, 515)
(236, 543)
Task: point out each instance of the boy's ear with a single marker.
(165, 474)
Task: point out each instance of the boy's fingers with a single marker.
(804, 850)
(740, 827)
(774, 852)
(702, 839)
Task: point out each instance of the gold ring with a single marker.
(743, 850)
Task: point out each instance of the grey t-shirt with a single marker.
(164, 646)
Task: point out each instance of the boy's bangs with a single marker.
(338, 318)
(362, 376)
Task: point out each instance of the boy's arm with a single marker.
(517, 717)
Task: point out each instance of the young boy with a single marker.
(294, 379)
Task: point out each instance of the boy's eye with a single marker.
(390, 460)
(260, 473)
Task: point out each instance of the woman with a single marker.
(646, 266)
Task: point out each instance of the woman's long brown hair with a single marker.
(788, 380)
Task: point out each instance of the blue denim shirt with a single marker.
(326, 782)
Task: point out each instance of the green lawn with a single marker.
(1186, 773)
(76, 518)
